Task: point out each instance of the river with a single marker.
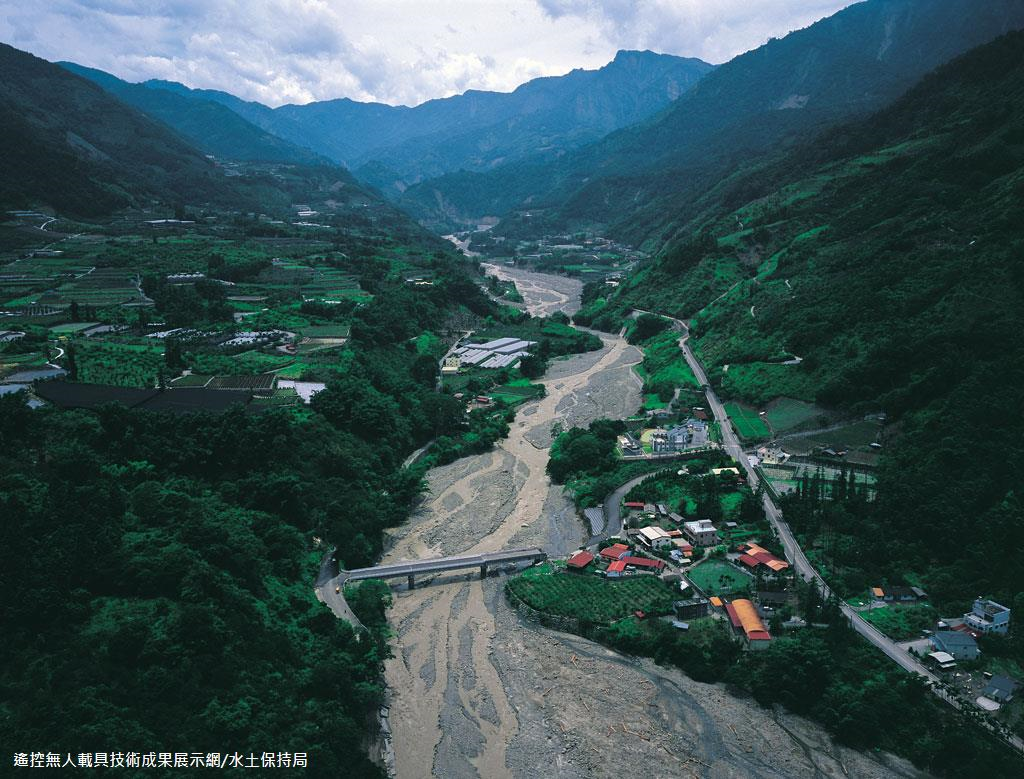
(475, 691)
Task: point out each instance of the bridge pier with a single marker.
(483, 571)
(412, 582)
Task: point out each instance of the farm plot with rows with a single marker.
(746, 421)
(259, 381)
(552, 590)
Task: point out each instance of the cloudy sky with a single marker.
(393, 51)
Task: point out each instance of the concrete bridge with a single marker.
(440, 564)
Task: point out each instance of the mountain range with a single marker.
(638, 181)
(393, 146)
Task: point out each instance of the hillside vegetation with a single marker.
(886, 255)
(69, 145)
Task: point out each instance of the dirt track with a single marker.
(475, 691)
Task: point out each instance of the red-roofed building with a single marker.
(750, 562)
(615, 552)
(633, 504)
(580, 560)
(643, 562)
(617, 568)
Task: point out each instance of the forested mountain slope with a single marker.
(886, 254)
(211, 126)
(640, 180)
(69, 145)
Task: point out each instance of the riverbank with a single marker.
(477, 691)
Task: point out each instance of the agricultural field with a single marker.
(517, 391)
(552, 590)
(746, 421)
(249, 362)
(123, 364)
(325, 331)
(717, 577)
(428, 343)
(192, 380)
(785, 414)
(902, 622)
(855, 437)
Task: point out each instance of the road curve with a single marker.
(795, 554)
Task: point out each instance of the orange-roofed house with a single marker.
(743, 616)
(716, 601)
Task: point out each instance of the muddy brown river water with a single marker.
(475, 691)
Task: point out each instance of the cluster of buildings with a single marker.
(620, 560)
(499, 353)
(691, 434)
(959, 641)
(757, 557)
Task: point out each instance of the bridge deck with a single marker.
(438, 564)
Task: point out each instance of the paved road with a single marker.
(794, 553)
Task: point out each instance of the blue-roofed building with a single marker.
(960, 644)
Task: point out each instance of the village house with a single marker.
(944, 661)
(1000, 689)
(958, 643)
(691, 608)
(654, 537)
(987, 616)
(899, 594)
(755, 556)
(579, 561)
(629, 445)
(701, 532)
(615, 552)
(616, 569)
(645, 563)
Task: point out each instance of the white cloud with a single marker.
(393, 51)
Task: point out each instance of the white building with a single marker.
(654, 537)
(701, 533)
(988, 617)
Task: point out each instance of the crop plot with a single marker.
(551, 590)
(746, 421)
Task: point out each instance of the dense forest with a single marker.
(157, 571)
